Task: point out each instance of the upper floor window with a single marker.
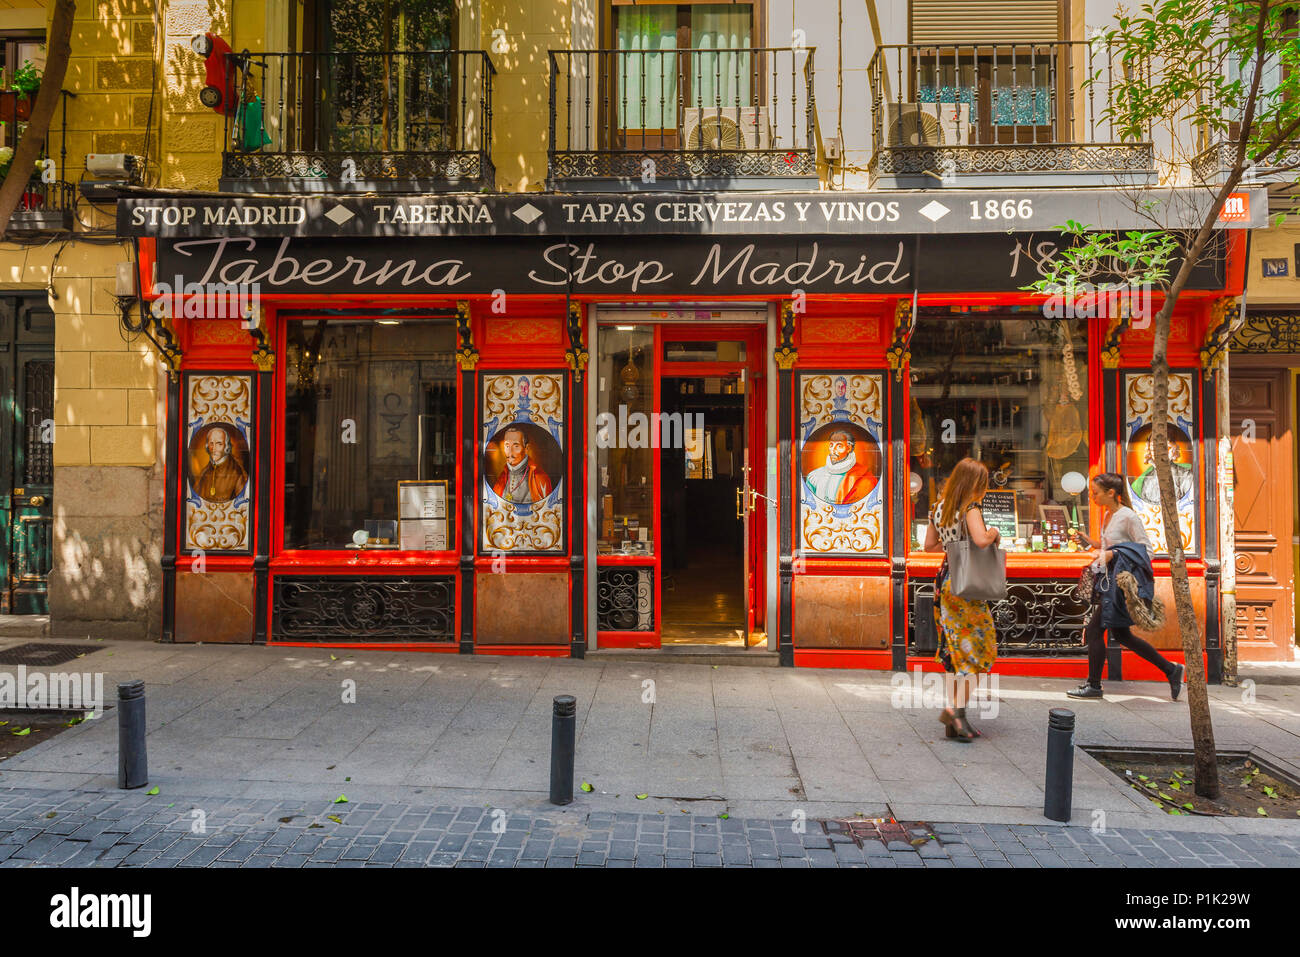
(381, 26)
(678, 57)
(18, 52)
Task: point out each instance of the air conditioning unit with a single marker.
(726, 128)
(927, 124)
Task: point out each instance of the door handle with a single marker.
(740, 503)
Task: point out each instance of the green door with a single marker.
(27, 437)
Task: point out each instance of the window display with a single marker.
(624, 452)
(368, 405)
(1012, 392)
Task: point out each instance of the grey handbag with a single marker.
(976, 574)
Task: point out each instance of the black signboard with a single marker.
(642, 267)
(999, 508)
(757, 214)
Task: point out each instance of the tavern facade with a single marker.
(689, 378)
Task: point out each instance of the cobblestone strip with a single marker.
(62, 828)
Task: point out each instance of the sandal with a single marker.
(956, 727)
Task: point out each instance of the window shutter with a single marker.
(985, 21)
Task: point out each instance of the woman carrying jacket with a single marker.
(1120, 525)
(968, 644)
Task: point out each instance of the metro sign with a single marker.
(1236, 208)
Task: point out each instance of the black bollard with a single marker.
(564, 724)
(132, 761)
(1060, 764)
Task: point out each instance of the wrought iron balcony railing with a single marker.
(342, 122)
(959, 112)
(44, 207)
(1212, 164)
(710, 119)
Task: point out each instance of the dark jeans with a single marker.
(1096, 638)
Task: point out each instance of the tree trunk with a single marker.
(28, 151)
(1227, 523)
(1205, 758)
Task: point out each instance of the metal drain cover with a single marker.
(37, 655)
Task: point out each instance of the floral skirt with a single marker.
(966, 628)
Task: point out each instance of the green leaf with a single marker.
(724, 815)
(1165, 796)
(336, 819)
(1175, 785)
(347, 779)
(52, 814)
(587, 787)
(642, 797)
(23, 733)
(1143, 777)
(1175, 811)
(152, 790)
(1261, 812)
(315, 825)
(341, 799)
(1189, 806)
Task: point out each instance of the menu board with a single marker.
(999, 510)
(422, 516)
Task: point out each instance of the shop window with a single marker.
(624, 440)
(370, 406)
(1013, 393)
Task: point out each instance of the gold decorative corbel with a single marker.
(577, 355)
(467, 354)
(899, 354)
(786, 355)
(1225, 318)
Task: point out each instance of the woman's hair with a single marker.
(967, 482)
(1114, 482)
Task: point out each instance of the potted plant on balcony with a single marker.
(26, 83)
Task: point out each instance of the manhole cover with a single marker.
(39, 655)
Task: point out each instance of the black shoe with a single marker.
(1085, 690)
(1176, 681)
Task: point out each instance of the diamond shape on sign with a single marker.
(527, 213)
(934, 211)
(339, 215)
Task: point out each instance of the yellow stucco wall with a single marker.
(1277, 242)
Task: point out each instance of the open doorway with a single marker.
(704, 600)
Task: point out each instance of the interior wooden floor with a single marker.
(702, 605)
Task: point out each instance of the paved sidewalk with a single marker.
(272, 724)
(44, 829)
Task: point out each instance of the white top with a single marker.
(1124, 526)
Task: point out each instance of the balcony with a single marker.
(413, 122)
(973, 114)
(1215, 160)
(682, 119)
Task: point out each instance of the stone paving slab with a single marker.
(139, 830)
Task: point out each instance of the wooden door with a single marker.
(27, 437)
(1264, 489)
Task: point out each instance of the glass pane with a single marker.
(1021, 94)
(1010, 393)
(624, 440)
(690, 351)
(646, 72)
(368, 405)
(721, 79)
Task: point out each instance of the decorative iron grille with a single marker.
(1268, 332)
(394, 121)
(625, 599)
(1038, 617)
(38, 464)
(363, 609)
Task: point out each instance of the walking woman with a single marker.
(1124, 549)
(968, 644)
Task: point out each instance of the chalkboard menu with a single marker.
(1000, 512)
(422, 516)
